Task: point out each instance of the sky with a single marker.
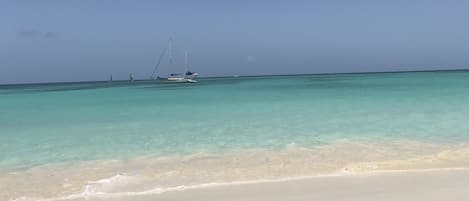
(83, 40)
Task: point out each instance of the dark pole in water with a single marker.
(131, 77)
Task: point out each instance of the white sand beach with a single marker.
(432, 185)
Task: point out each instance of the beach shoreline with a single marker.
(125, 179)
(432, 185)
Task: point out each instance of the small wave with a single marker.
(89, 194)
(200, 170)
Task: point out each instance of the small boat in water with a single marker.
(187, 77)
(176, 80)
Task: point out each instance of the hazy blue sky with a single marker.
(66, 40)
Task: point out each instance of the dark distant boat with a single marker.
(187, 77)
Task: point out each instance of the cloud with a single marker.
(29, 33)
(50, 35)
(34, 33)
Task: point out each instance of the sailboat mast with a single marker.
(158, 63)
(170, 52)
(185, 60)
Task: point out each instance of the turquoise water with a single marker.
(49, 123)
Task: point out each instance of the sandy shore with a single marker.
(444, 185)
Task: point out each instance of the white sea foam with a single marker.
(89, 194)
(144, 176)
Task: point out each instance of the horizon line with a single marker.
(239, 76)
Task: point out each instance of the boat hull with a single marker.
(176, 80)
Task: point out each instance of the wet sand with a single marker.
(444, 185)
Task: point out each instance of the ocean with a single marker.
(65, 141)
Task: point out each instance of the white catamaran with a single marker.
(187, 77)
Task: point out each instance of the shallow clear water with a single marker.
(41, 124)
(98, 137)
